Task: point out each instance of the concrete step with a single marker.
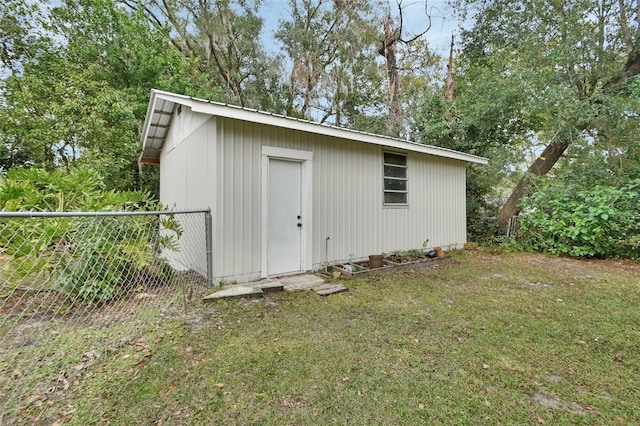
(235, 291)
(268, 286)
(300, 282)
(328, 289)
(295, 282)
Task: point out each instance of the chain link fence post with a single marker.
(208, 229)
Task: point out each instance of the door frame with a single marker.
(305, 158)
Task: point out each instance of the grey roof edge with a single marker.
(256, 116)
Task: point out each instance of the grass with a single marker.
(487, 338)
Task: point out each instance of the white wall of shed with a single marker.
(347, 199)
(187, 173)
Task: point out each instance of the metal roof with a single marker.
(162, 104)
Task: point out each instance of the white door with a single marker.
(284, 221)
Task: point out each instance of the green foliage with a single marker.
(538, 73)
(75, 91)
(100, 256)
(330, 46)
(599, 222)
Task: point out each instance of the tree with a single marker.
(330, 45)
(81, 87)
(223, 38)
(568, 65)
(391, 38)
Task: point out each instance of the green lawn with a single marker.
(484, 339)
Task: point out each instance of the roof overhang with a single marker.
(162, 105)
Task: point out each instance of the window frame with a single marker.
(386, 178)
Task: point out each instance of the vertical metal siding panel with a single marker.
(233, 201)
(184, 177)
(219, 213)
(196, 191)
(196, 169)
(245, 169)
(347, 200)
(347, 197)
(221, 202)
(252, 211)
(240, 164)
(439, 201)
(240, 199)
(171, 169)
(448, 203)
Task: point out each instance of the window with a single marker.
(395, 178)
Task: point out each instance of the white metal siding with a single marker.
(187, 170)
(237, 245)
(347, 198)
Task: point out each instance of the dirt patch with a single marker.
(555, 403)
(630, 266)
(26, 302)
(579, 267)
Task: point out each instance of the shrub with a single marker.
(599, 222)
(96, 257)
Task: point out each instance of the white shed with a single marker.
(289, 195)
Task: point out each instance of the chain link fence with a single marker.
(76, 286)
(486, 229)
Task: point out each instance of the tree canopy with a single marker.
(562, 82)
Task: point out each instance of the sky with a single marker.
(443, 22)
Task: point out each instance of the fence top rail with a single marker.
(100, 213)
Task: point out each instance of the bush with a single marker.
(599, 222)
(96, 257)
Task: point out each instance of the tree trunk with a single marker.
(391, 37)
(448, 94)
(540, 167)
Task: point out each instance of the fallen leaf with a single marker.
(540, 420)
(220, 385)
(421, 406)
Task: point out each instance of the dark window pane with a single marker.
(391, 158)
(395, 171)
(395, 198)
(395, 185)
